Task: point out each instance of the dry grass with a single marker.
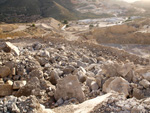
(7, 27)
(13, 35)
(31, 31)
(122, 34)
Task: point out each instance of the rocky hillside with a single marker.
(53, 75)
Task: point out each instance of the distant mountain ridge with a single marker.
(31, 10)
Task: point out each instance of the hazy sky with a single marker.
(131, 0)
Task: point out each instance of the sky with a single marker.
(130, 1)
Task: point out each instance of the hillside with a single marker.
(28, 10)
(32, 10)
(144, 4)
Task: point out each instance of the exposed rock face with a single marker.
(69, 87)
(117, 84)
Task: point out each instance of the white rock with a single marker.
(9, 82)
(147, 76)
(69, 87)
(19, 84)
(117, 84)
(10, 47)
(125, 69)
(43, 53)
(94, 85)
(145, 83)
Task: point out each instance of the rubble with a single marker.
(44, 76)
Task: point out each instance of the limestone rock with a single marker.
(110, 68)
(89, 80)
(54, 77)
(4, 71)
(147, 76)
(145, 83)
(99, 81)
(117, 84)
(69, 87)
(9, 82)
(5, 90)
(68, 70)
(36, 73)
(19, 84)
(125, 69)
(81, 76)
(43, 54)
(107, 83)
(137, 93)
(10, 47)
(94, 85)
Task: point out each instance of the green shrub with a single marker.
(33, 25)
(91, 26)
(65, 22)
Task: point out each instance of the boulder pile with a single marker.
(39, 75)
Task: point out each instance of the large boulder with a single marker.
(69, 87)
(4, 71)
(10, 47)
(117, 84)
(110, 68)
